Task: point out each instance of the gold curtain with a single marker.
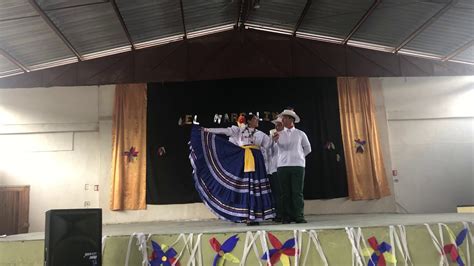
(364, 162)
(128, 175)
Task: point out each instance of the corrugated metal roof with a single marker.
(394, 20)
(467, 55)
(10, 9)
(334, 18)
(31, 41)
(90, 28)
(277, 13)
(150, 20)
(6, 65)
(94, 29)
(465, 4)
(451, 31)
(55, 4)
(200, 15)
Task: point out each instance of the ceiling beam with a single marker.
(303, 14)
(425, 25)
(245, 7)
(54, 28)
(361, 21)
(13, 60)
(182, 19)
(239, 13)
(122, 22)
(459, 50)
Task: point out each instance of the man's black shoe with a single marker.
(252, 223)
(301, 221)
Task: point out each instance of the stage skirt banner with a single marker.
(433, 244)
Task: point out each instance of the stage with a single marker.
(324, 240)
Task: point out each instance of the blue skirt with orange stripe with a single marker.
(219, 177)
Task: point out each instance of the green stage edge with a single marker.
(334, 242)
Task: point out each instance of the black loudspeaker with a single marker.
(73, 237)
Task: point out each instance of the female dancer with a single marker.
(230, 176)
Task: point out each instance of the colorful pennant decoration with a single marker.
(223, 251)
(379, 254)
(452, 249)
(280, 252)
(160, 257)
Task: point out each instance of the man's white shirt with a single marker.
(293, 146)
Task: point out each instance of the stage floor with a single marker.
(318, 222)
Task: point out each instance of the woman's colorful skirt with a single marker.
(226, 189)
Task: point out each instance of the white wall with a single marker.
(431, 128)
(49, 140)
(61, 140)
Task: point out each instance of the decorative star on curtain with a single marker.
(360, 145)
(132, 154)
(329, 145)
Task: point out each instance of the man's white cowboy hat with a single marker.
(277, 120)
(290, 113)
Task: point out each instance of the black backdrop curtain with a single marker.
(172, 107)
